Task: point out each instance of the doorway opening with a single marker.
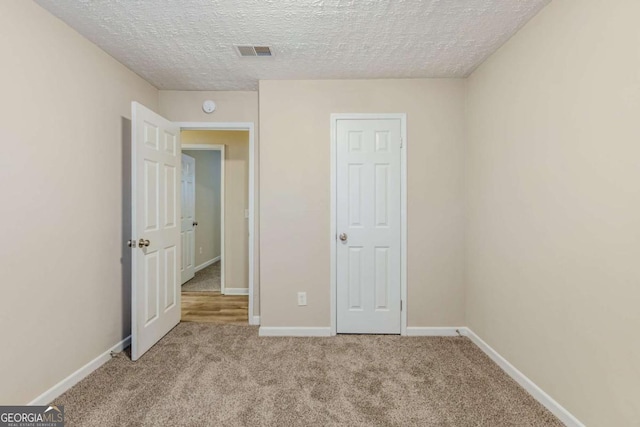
(202, 227)
(215, 225)
(156, 220)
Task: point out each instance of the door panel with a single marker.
(381, 279)
(155, 166)
(171, 268)
(151, 286)
(188, 203)
(171, 191)
(368, 213)
(355, 278)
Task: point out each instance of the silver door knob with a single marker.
(343, 237)
(143, 243)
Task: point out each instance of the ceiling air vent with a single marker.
(254, 51)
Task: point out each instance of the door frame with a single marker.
(220, 148)
(333, 236)
(245, 126)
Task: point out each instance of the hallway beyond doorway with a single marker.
(213, 307)
(205, 280)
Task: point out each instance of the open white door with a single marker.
(156, 152)
(187, 218)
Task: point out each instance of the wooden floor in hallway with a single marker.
(213, 307)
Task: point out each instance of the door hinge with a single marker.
(401, 142)
(400, 305)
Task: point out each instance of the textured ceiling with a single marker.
(188, 44)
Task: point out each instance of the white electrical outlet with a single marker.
(200, 250)
(302, 298)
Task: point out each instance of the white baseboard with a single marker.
(206, 264)
(285, 331)
(254, 320)
(547, 401)
(446, 331)
(236, 291)
(73, 379)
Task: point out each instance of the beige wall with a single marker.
(207, 210)
(65, 298)
(295, 193)
(236, 200)
(553, 224)
(186, 106)
(231, 106)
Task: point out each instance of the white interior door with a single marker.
(368, 221)
(187, 218)
(155, 196)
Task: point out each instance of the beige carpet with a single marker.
(205, 280)
(222, 375)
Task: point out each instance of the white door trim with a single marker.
(247, 126)
(220, 148)
(403, 210)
